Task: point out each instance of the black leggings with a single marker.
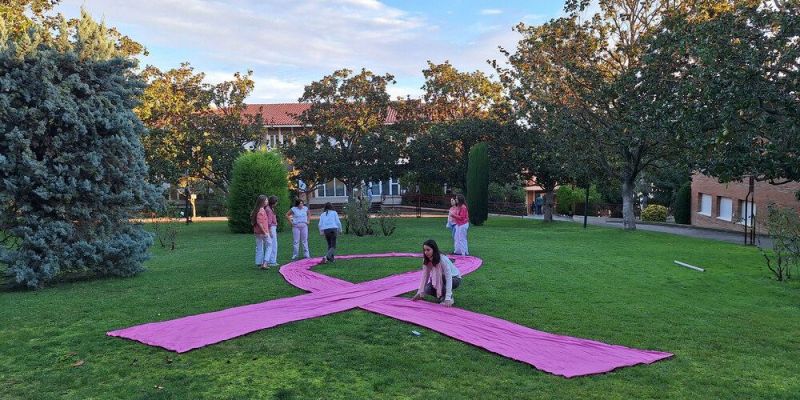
(330, 237)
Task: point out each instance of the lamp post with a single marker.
(186, 195)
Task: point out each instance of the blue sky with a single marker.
(289, 44)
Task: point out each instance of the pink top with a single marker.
(451, 213)
(462, 215)
(272, 219)
(261, 220)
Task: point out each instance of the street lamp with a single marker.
(186, 195)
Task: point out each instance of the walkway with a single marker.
(683, 230)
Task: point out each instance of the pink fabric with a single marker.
(559, 355)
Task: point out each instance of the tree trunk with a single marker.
(547, 207)
(628, 217)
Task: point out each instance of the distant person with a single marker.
(439, 275)
(451, 223)
(461, 219)
(258, 217)
(329, 226)
(272, 221)
(539, 202)
(298, 217)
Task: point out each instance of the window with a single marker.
(705, 205)
(340, 189)
(746, 208)
(332, 188)
(725, 209)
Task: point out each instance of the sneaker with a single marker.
(294, 258)
(324, 260)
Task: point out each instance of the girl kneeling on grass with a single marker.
(439, 275)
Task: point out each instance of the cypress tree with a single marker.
(256, 173)
(683, 204)
(72, 166)
(478, 184)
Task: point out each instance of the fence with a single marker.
(443, 202)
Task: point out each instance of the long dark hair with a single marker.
(259, 204)
(460, 201)
(272, 201)
(328, 207)
(436, 257)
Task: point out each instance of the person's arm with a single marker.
(426, 273)
(289, 215)
(338, 222)
(463, 214)
(261, 219)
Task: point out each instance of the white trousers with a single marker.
(299, 235)
(461, 247)
(272, 253)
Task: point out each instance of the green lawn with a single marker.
(735, 332)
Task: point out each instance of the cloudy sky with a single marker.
(289, 44)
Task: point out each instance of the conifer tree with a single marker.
(71, 162)
(478, 184)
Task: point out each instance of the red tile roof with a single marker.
(283, 114)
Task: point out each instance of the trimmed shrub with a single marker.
(256, 173)
(478, 184)
(655, 213)
(683, 204)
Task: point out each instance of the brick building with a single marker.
(727, 205)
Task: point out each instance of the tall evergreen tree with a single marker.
(71, 161)
(478, 184)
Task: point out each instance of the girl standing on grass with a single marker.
(272, 222)
(298, 217)
(461, 219)
(258, 217)
(329, 225)
(439, 275)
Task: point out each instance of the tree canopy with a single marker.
(348, 139)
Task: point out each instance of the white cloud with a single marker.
(290, 43)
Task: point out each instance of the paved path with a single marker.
(691, 231)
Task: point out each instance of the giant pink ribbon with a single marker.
(556, 354)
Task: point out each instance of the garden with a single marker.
(732, 329)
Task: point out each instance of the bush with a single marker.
(569, 197)
(654, 213)
(387, 219)
(256, 173)
(358, 221)
(683, 204)
(478, 184)
(783, 225)
(165, 227)
(507, 193)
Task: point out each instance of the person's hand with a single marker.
(447, 303)
(416, 297)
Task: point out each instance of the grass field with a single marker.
(734, 331)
